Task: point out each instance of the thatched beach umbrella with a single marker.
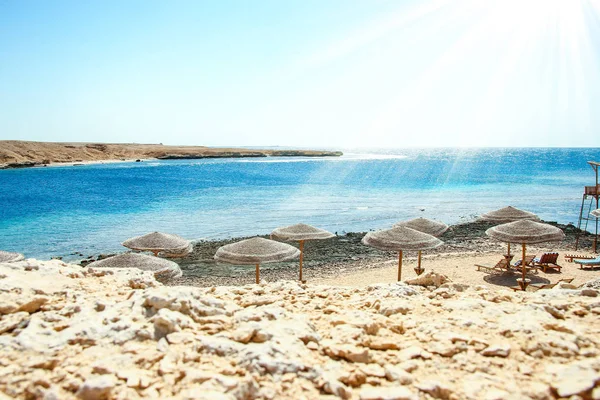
(425, 225)
(163, 269)
(525, 232)
(157, 242)
(508, 214)
(401, 239)
(300, 233)
(256, 251)
(7, 256)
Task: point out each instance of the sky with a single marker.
(307, 73)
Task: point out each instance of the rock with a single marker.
(33, 305)
(556, 313)
(347, 352)
(97, 388)
(497, 350)
(435, 389)
(335, 387)
(397, 374)
(429, 279)
(386, 393)
(243, 334)
(12, 321)
(574, 380)
(124, 335)
(413, 352)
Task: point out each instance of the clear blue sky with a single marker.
(302, 72)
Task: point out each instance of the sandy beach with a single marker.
(344, 260)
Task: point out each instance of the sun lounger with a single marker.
(588, 263)
(551, 285)
(542, 286)
(528, 266)
(501, 266)
(547, 260)
(528, 260)
(570, 257)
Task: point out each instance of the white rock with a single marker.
(387, 393)
(97, 388)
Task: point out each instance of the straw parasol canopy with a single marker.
(163, 269)
(157, 242)
(508, 214)
(256, 251)
(6, 256)
(401, 239)
(595, 213)
(425, 225)
(300, 233)
(525, 232)
(433, 228)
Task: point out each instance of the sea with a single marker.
(90, 209)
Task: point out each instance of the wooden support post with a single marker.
(523, 268)
(399, 265)
(508, 254)
(257, 273)
(301, 257)
(419, 260)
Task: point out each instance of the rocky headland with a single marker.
(22, 154)
(72, 332)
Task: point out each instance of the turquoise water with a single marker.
(57, 211)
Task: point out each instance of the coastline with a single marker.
(326, 261)
(21, 154)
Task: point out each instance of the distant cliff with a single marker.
(21, 154)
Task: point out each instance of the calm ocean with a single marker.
(57, 211)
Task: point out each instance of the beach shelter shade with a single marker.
(256, 251)
(7, 256)
(525, 232)
(300, 233)
(596, 213)
(157, 242)
(508, 214)
(425, 225)
(401, 239)
(163, 269)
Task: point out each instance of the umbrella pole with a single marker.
(523, 268)
(301, 257)
(399, 265)
(419, 270)
(508, 254)
(257, 273)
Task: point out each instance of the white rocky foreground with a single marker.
(71, 332)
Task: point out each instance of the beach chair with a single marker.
(547, 260)
(571, 257)
(501, 266)
(544, 285)
(588, 263)
(528, 266)
(528, 260)
(550, 285)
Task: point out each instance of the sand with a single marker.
(461, 268)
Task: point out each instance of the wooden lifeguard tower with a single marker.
(590, 193)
